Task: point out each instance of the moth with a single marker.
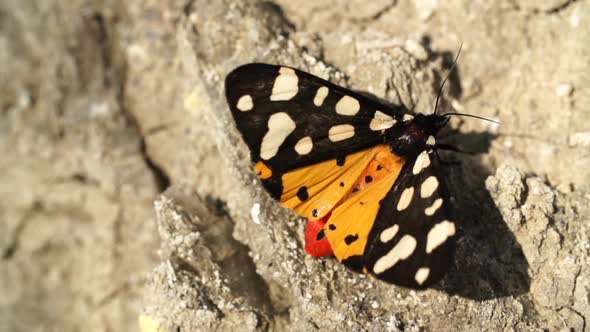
(366, 175)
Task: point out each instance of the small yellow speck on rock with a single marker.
(148, 324)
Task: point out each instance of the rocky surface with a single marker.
(105, 104)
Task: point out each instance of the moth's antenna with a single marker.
(471, 116)
(443, 85)
(446, 78)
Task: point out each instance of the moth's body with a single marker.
(364, 174)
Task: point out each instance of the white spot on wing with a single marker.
(421, 275)
(347, 106)
(340, 132)
(428, 186)
(286, 85)
(280, 125)
(388, 233)
(405, 198)
(286, 71)
(439, 234)
(402, 250)
(408, 117)
(381, 121)
(421, 163)
(320, 95)
(430, 141)
(245, 103)
(434, 207)
(304, 145)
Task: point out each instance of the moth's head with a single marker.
(418, 134)
(430, 124)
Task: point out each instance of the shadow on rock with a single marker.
(489, 262)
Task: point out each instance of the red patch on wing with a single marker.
(316, 242)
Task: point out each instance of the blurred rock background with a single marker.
(105, 104)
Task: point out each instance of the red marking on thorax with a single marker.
(416, 132)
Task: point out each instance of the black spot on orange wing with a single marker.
(368, 179)
(341, 184)
(314, 213)
(379, 167)
(332, 227)
(302, 194)
(349, 239)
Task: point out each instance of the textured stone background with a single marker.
(104, 104)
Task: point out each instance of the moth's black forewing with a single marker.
(412, 221)
(257, 81)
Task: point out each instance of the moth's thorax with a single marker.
(417, 134)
